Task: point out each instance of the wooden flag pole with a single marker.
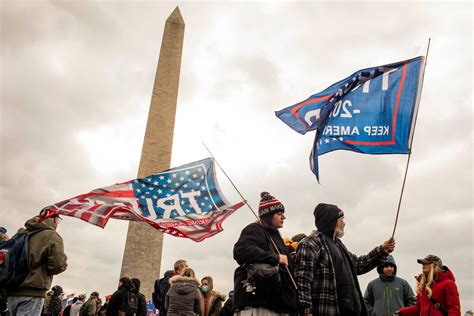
(411, 140)
(255, 214)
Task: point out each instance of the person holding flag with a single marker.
(46, 258)
(326, 272)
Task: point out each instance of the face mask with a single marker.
(204, 288)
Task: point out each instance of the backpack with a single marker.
(159, 295)
(14, 266)
(129, 303)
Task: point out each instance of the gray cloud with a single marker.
(76, 79)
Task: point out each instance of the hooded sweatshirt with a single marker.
(386, 295)
(183, 297)
(46, 258)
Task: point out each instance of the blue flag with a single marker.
(371, 112)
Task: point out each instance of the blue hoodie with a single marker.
(386, 295)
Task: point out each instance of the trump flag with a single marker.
(371, 112)
(184, 201)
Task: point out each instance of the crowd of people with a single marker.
(181, 293)
(321, 277)
(307, 275)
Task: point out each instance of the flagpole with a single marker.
(255, 214)
(411, 141)
(231, 182)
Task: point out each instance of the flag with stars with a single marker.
(184, 201)
(371, 112)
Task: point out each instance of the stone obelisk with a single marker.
(143, 248)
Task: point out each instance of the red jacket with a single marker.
(445, 293)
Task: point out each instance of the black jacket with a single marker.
(161, 287)
(115, 302)
(254, 246)
(227, 308)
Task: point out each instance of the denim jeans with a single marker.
(25, 305)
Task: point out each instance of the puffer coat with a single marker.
(183, 297)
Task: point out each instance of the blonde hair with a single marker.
(188, 272)
(426, 279)
(209, 281)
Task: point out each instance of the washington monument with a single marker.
(144, 245)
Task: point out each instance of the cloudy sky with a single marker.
(76, 81)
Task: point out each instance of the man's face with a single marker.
(182, 266)
(278, 219)
(339, 231)
(389, 270)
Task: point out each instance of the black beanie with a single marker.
(325, 218)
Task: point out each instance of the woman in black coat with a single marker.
(255, 246)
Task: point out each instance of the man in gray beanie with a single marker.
(326, 272)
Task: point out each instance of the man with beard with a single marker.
(326, 272)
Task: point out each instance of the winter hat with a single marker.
(269, 205)
(96, 294)
(431, 259)
(58, 290)
(325, 218)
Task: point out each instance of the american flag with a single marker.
(184, 201)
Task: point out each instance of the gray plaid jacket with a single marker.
(315, 274)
